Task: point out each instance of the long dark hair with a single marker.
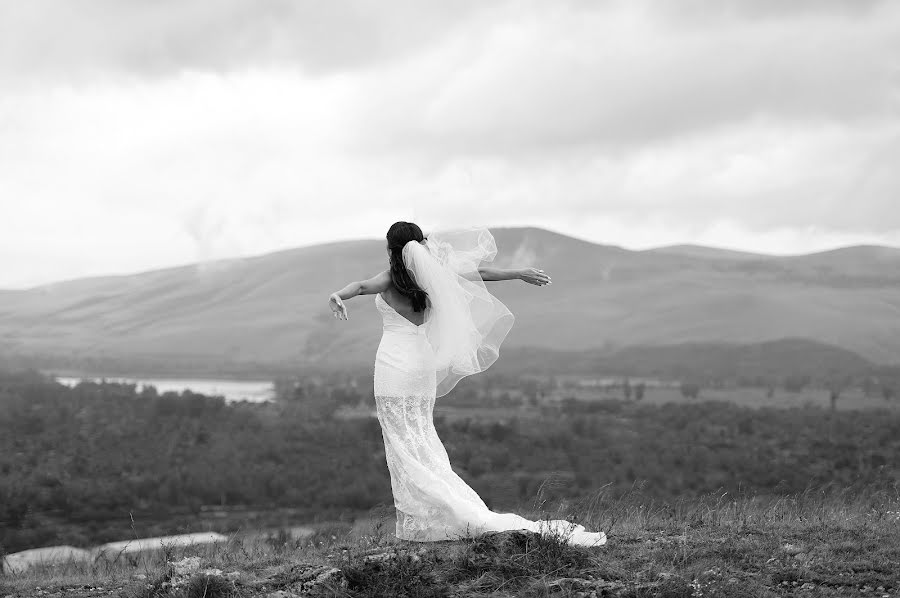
(398, 236)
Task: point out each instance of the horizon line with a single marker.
(660, 248)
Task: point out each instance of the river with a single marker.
(253, 391)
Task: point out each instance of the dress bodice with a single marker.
(393, 321)
(404, 362)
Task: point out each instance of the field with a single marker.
(816, 543)
(519, 407)
(753, 397)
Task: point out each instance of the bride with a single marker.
(440, 324)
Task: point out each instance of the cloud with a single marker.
(138, 134)
(560, 77)
(692, 12)
(52, 39)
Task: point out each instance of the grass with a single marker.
(823, 542)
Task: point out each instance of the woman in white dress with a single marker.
(440, 324)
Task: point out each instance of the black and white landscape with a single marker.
(189, 190)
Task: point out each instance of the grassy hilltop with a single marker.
(810, 544)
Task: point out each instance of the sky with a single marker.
(140, 134)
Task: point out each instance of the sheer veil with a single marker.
(464, 323)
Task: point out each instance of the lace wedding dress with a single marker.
(433, 503)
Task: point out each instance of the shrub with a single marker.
(401, 574)
(796, 382)
(210, 586)
(690, 390)
(517, 555)
(639, 389)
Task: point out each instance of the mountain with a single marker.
(699, 251)
(270, 311)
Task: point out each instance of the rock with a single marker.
(210, 572)
(613, 588)
(314, 577)
(378, 557)
(327, 576)
(186, 566)
(569, 583)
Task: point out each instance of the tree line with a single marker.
(77, 463)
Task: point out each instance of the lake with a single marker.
(253, 391)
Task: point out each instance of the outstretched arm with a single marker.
(529, 275)
(376, 284)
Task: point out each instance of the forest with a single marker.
(86, 464)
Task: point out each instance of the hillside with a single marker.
(270, 311)
(735, 547)
(697, 495)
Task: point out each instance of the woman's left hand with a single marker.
(535, 277)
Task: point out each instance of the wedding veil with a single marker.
(464, 323)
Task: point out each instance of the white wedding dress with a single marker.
(432, 502)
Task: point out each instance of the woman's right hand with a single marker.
(338, 309)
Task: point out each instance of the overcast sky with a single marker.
(137, 134)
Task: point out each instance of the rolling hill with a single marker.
(270, 312)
